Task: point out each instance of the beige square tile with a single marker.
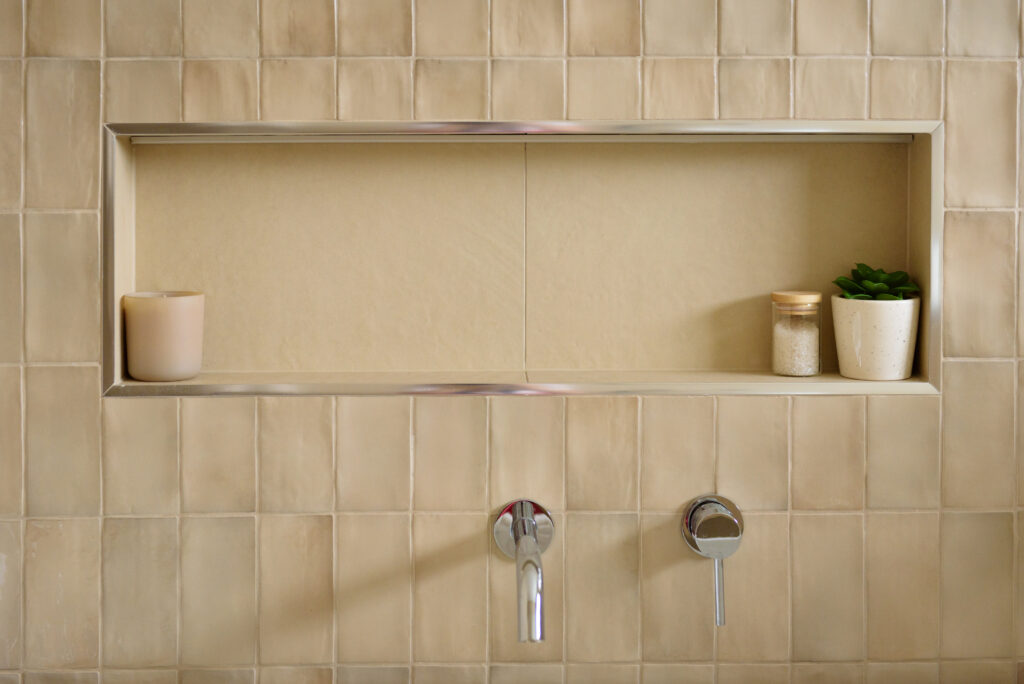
(656, 673)
(753, 452)
(679, 88)
(755, 27)
(977, 672)
(301, 89)
(674, 27)
(604, 27)
(536, 674)
(504, 641)
(373, 446)
(142, 29)
(362, 674)
(605, 673)
(220, 28)
(668, 570)
(753, 674)
(981, 102)
(982, 29)
(10, 598)
(977, 434)
(452, 28)
(903, 452)
(449, 674)
(296, 455)
(907, 27)
(299, 28)
(905, 673)
(830, 88)
(828, 673)
(61, 677)
(977, 585)
(527, 89)
(604, 89)
(603, 608)
(140, 582)
(10, 134)
(62, 113)
(58, 601)
(527, 28)
(828, 453)
(219, 90)
(601, 453)
(906, 89)
(139, 91)
(62, 287)
(218, 455)
(140, 455)
(63, 28)
(373, 588)
(140, 677)
(527, 453)
(218, 590)
(979, 284)
(828, 587)
(375, 89)
(1020, 587)
(10, 28)
(831, 27)
(753, 88)
(451, 89)
(450, 551)
(10, 443)
(296, 675)
(757, 617)
(677, 450)
(217, 677)
(62, 440)
(375, 27)
(10, 289)
(902, 551)
(295, 589)
(450, 453)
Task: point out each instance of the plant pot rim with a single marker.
(875, 301)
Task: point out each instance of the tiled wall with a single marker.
(300, 540)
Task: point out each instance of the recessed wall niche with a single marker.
(545, 257)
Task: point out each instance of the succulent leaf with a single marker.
(888, 296)
(848, 285)
(870, 283)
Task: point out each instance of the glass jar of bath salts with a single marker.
(796, 333)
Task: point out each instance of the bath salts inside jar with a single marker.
(796, 333)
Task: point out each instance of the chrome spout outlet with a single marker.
(523, 530)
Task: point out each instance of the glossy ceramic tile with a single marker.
(10, 289)
(676, 674)
(58, 601)
(988, 29)
(753, 88)
(903, 452)
(293, 28)
(831, 27)
(219, 90)
(753, 451)
(977, 434)
(220, 28)
(142, 29)
(62, 440)
(601, 453)
(140, 579)
(605, 28)
(450, 89)
(11, 26)
(374, 447)
(450, 674)
(830, 88)
(604, 673)
(10, 440)
(140, 456)
(10, 134)
(296, 675)
(373, 588)
(375, 89)
(450, 453)
(296, 454)
(375, 27)
(527, 89)
(907, 27)
(906, 89)
(217, 677)
(218, 455)
(981, 105)
(828, 453)
(828, 673)
(10, 594)
(63, 28)
(908, 673)
(218, 590)
(607, 88)
(679, 28)
(527, 27)
(527, 450)
(379, 674)
(297, 89)
(446, 28)
(753, 674)
(755, 27)
(678, 88)
(142, 91)
(677, 450)
(538, 674)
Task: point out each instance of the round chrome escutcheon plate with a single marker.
(503, 527)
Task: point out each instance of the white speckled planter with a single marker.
(875, 339)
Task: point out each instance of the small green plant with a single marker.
(870, 283)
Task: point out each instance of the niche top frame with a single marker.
(925, 141)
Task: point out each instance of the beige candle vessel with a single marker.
(164, 335)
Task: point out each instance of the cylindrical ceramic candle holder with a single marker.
(164, 335)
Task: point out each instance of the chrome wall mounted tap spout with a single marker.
(523, 530)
